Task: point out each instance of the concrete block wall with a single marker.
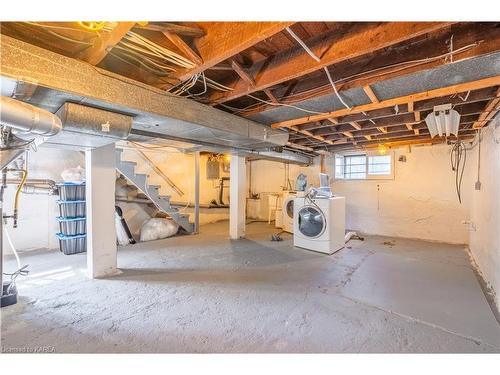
(420, 202)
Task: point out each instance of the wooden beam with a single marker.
(464, 120)
(368, 137)
(481, 38)
(363, 38)
(242, 73)
(381, 114)
(183, 47)
(404, 140)
(98, 51)
(392, 123)
(348, 134)
(417, 131)
(410, 107)
(223, 40)
(173, 28)
(355, 125)
(271, 96)
(417, 116)
(369, 92)
(490, 110)
(300, 147)
(436, 93)
(387, 123)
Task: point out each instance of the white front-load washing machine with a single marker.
(319, 224)
(288, 213)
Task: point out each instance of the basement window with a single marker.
(364, 166)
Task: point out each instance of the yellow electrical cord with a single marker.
(18, 192)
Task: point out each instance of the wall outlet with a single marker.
(477, 185)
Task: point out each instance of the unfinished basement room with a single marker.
(250, 187)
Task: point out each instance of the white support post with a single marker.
(237, 200)
(100, 191)
(197, 192)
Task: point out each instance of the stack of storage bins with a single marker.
(72, 220)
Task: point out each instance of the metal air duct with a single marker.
(27, 119)
(89, 127)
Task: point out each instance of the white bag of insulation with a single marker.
(158, 228)
(121, 235)
(73, 174)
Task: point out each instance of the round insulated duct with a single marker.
(26, 118)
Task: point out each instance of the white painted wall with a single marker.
(485, 209)
(270, 176)
(420, 202)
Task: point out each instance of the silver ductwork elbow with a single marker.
(26, 119)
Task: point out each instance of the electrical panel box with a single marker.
(213, 170)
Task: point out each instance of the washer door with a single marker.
(289, 208)
(312, 222)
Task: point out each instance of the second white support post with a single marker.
(237, 197)
(100, 191)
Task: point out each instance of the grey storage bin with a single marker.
(71, 209)
(72, 226)
(72, 244)
(71, 191)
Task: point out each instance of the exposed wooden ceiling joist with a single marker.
(173, 28)
(384, 124)
(449, 90)
(98, 51)
(369, 92)
(223, 40)
(409, 141)
(183, 47)
(485, 39)
(490, 110)
(293, 63)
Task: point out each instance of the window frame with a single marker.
(369, 176)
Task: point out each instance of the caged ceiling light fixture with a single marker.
(443, 120)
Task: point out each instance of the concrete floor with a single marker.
(206, 293)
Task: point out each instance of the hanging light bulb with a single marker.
(382, 149)
(443, 120)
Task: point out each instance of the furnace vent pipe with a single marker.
(27, 118)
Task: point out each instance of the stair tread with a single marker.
(161, 203)
(127, 162)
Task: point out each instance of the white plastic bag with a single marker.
(158, 228)
(73, 174)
